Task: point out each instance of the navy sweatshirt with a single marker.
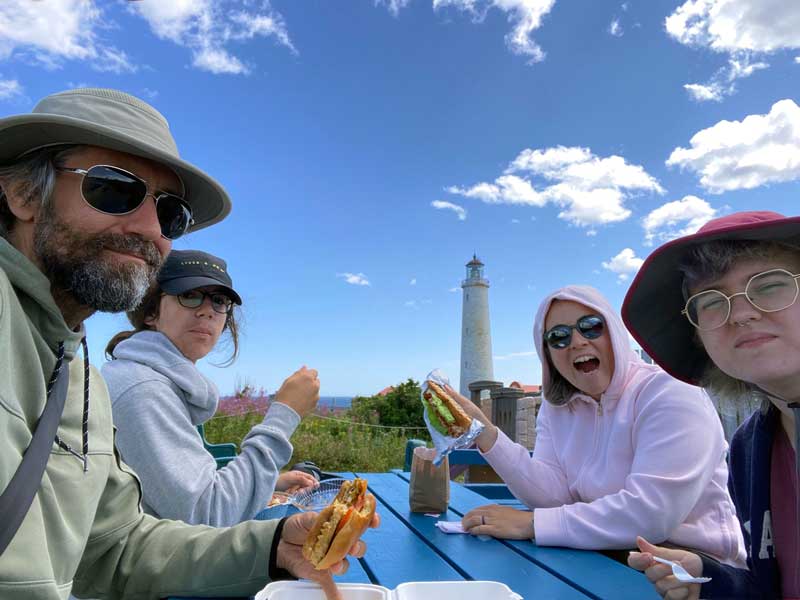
(751, 450)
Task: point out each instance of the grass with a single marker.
(334, 445)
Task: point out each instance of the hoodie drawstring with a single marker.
(84, 456)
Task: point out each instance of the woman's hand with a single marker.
(300, 391)
(660, 575)
(488, 436)
(293, 481)
(290, 556)
(499, 521)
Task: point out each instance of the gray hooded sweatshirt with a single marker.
(158, 398)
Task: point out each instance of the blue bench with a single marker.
(222, 453)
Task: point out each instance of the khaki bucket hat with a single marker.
(118, 121)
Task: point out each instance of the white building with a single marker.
(476, 334)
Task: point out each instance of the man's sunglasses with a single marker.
(590, 326)
(115, 191)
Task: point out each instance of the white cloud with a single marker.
(723, 82)
(526, 15)
(507, 189)
(443, 205)
(676, 219)
(58, 30)
(744, 154)
(417, 304)
(737, 25)
(740, 28)
(9, 88)
(393, 6)
(515, 221)
(797, 59)
(615, 28)
(454, 289)
(514, 355)
(413, 281)
(702, 93)
(589, 189)
(217, 60)
(206, 29)
(354, 278)
(624, 264)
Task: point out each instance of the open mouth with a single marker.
(586, 364)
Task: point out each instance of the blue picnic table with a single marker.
(408, 547)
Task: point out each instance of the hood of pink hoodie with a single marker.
(626, 361)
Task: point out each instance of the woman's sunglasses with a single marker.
(590, 326)
(114, 191)
(220, 302)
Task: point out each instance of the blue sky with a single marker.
(371, 147)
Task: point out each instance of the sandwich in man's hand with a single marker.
(339, 525)
(444, 413)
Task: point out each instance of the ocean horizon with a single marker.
(334, 402)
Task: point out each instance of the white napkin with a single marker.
(450, 526)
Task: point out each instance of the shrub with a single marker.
(401, 407)
(336, 441)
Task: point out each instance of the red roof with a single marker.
(527, 388)
(385, 391)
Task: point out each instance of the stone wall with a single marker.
(527, 409)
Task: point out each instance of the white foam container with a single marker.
(418, 590)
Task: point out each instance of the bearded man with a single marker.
(93, 194)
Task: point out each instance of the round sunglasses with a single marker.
(115, 191)
(770, 291)
(590, 327)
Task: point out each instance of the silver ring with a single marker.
(483, 520)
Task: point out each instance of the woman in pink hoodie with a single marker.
(621, 447)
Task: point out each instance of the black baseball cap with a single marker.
(186, 270)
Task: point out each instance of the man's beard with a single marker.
(73, 262)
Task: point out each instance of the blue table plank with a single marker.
(594, 573)
(473, 558)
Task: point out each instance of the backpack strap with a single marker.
(18, 495)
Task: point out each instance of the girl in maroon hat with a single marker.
(719, 309)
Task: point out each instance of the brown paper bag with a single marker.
(429, 490)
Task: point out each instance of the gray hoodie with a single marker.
(158, 398)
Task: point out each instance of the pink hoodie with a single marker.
(648, 459)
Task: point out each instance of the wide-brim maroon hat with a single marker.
(652, 307)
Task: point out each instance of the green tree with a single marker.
(401, 407)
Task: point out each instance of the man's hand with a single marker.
(499, 521)
(660, 575)
(290, 557)
(293, 481)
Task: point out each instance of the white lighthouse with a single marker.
(476, 334)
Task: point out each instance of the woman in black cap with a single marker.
(159, 397)
(719, 309)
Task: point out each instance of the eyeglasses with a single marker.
(220, 302)
(114, 191)
(769, 291)
(590, 327)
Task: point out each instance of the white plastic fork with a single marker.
(680, 573)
